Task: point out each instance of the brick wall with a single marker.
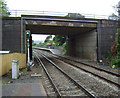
(11, 34)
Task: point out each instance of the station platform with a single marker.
(23, 89)
(54, 51)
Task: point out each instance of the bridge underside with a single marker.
(58, 30)
(82, 36)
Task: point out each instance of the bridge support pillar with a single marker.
(83, 45)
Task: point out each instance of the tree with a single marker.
(34, 44)
(75, 15)
(4, 9)
(117, 8)
(48, 38)
(114, 16)
(59, 39)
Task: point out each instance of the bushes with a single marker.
(116, 62)
(64, 47)
(115, 58)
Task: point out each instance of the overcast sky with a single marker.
(98, 7)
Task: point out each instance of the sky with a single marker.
(97, 7)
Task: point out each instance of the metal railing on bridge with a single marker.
(18, 13)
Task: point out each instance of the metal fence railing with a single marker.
(18, 13)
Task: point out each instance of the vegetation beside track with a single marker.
(114, 54)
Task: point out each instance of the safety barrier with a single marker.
(18, 13)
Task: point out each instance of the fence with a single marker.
(18, 13)
(6, 64)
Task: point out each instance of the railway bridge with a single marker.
(86, 38)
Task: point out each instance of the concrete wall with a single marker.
(11, 34)
(108, 33)
(83, 45)
(6, 60)
(86, 45)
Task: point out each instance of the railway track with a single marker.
(68, 87)
(97, 75)
(89, 65)
(86, 70)
(109, 72)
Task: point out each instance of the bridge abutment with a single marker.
(83, 45)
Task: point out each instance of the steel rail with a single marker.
(75, 82)
(109, 72)
(51, 80)
(117, 84)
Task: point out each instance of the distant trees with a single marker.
(4, 9)
(117, 8)
(59, 40)
(114, 16)
(48, 38)
(75, 15)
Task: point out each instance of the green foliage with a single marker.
(34, 44)
(41, 44)
(118, 44)
(113, 17)
(75, 15)
(45, 44)
(64, 47)
(48, 38)
(49, 42)
(109, 55)
(59, 40)
(118, 30)
(4, 9)
(116, 59)
(117, 9)
(115, 62)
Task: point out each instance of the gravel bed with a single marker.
(65, 86)
(101, 73)
(96, 64)
(98, 87)
(93, 84)
(47, 85)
